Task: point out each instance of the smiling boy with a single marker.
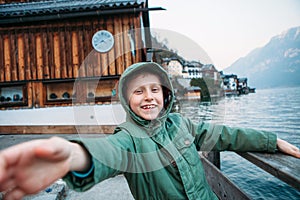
(157, 151)
(145, 96)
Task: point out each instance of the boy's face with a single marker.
(145, 96)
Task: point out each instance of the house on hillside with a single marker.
(173, 66)
(192, 69)
(196, 69)
(209, 71)
(55, 53)
(230, 84)
(184, 72)
(233, 85)
(242, 87)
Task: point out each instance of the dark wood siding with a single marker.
(56, 51)
(62, 50)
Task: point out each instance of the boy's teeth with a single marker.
(148, 107)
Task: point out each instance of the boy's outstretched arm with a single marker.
(30, 167)
(288, 148)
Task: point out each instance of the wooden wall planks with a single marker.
(58, 50)
(62, 50)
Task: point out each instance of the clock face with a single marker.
(103, 41)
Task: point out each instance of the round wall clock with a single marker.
(103, 41)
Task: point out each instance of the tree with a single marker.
(204, 94)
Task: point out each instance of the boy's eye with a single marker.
(156, 89)
(138, 91)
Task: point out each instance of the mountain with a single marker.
(277, 64)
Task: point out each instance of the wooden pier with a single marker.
(284, 167)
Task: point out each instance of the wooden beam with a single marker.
(111, 53)
(221, 185)
(69, 57)
(118, 45)
(81, 56)
(2, 56)
(284, 167)
(32, 54)
(21, 57)
(45, 46)
(7, 58)
(39, 56)
(13, 56)
(50, 47)
(75, 56)
(62, 45)
(9, 140)
(126, 41)
(57, 54)
(58, 129)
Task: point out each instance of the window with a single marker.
(80, 91)
(59, 92)
(13, 95)
(101, 90)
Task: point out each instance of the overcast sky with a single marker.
(225, 29)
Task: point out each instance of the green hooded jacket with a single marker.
(159, 158)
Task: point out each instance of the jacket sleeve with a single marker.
(109, 156)
(220, 138)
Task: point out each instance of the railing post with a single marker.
(221, 185)
(214, 158)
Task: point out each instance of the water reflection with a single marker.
(276, 110)
(271, 110)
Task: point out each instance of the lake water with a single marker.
(276, 110)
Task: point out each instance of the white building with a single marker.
(173, 66)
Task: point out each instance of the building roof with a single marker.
(242, 79)
(10, 11)
(57, 6)
(196, 64)
(226, 76)
(173, 58)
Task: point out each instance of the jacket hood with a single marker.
(168, 91)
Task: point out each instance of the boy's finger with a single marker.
(49, 150)
(5, 171)
(8, 185)
(7, 179)
(44, 152)
(297, 153)
(12, 154)
(9, 157)
(294, 151)
(2, 167)
(15, 193)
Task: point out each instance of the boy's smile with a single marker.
(145, 96)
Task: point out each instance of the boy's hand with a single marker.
(288, 148)
(30, 167)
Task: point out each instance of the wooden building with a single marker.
(51, 51)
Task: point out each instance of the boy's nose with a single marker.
(148, 96)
